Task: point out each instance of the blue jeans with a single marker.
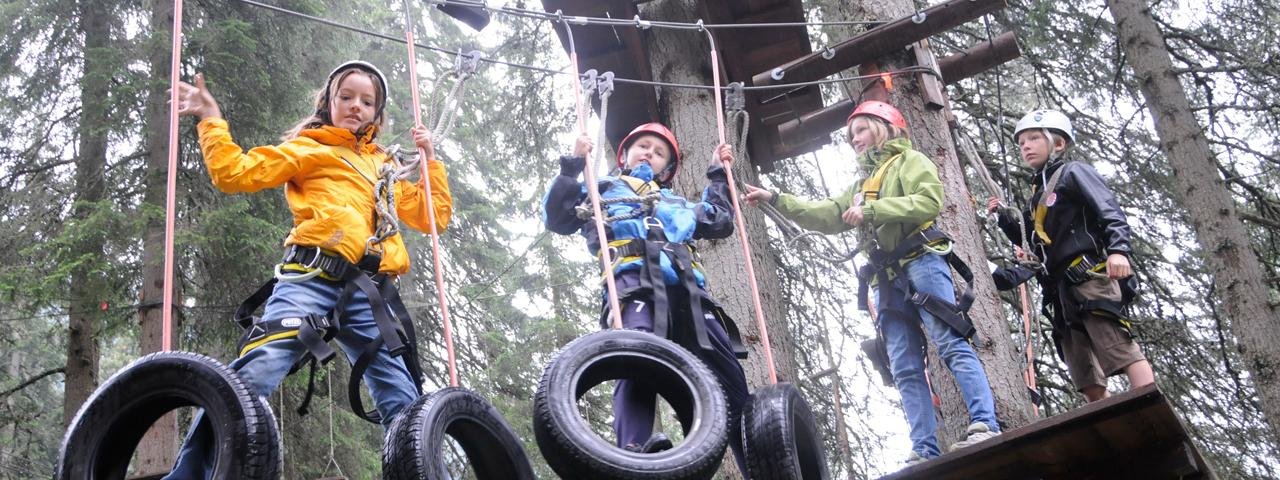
(900, 322)
(263, 368)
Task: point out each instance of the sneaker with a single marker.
(976, 433)
(656, 443)
(915, 459)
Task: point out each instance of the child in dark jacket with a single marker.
(1080, 233)
(650, 242)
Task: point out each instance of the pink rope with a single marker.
(740, 224)
(171, 188)
(1030, 375)
(606, 259)
(431, 212)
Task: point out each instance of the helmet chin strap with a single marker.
(1053, 146)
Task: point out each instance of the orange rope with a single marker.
(1030, 375)
(431, 212)
(171, 188)
(738, 221)
(606, 259)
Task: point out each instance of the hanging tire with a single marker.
(416, 445)
(779, 436)
(106, 431)
(574, 451)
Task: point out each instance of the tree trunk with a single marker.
(691, 114)
(930, 135)
(86, 279)
(1239, 283)
(159, 447)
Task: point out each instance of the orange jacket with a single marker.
(332, 203)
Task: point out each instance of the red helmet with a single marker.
(879, 110)
(652, 128)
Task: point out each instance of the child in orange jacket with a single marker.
(343, 253)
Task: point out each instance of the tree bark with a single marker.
(930, 135)
(1240, 285)
(159, 447)
(86, 279)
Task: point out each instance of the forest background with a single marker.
(82, 169)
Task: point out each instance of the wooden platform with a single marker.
(1132, 435)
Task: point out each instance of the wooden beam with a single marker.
(977, 59)
(879, 41)
(980, 58)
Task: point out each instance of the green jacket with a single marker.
(910, 196)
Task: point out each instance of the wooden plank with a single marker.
(934, 96)
(1135, 433)
(879, 41)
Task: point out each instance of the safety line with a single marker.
(632, 81)
(430, 204)
(606, 262)
(737, 218)
(171, 184)
(642, 24)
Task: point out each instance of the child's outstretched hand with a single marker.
(582, 146)
(196, 100)
(725, 154)
(422, 139)
(755, 195)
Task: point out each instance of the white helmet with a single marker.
(1046, 120)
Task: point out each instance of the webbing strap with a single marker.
(871, 186)
(1042, 206)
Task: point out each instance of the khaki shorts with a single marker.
(1104, 348)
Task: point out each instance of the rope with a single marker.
(629, 81)
(171, 185)
(430, 205)
(642, 24)
(737, 217)
(606, 260)
(333, 460)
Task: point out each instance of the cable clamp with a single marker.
(468, 63)
(590, 79)
(604, 84)
(642, 24)
(735, 97)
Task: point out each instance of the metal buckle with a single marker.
(652, 221)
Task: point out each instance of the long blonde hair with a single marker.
(881, 131)
(324, 98)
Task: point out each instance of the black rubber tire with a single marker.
(574, 451)
(106, 431)
(780, 438)
(415, 445)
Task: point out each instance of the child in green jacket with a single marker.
(895, 208)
